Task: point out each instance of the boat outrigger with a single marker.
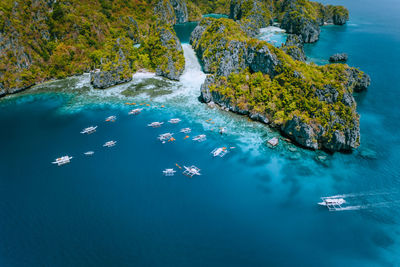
(169, 172)
(111, 119)
(219, 152)
(89, 130)
(333, 203)
(89, 153)
(63, 160)
(191, 171)
(174, 121)
(135, 111)
(155, 124)
(186, 130)
(110, 143)
(200, 138)
(165, 137)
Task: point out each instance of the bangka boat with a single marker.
(111, 118)
(89, 153)
(186, 130)
(219, 152)
(333, 203)
(191, 171)
(135, 111)
(89, 130)
(110, 143)
(155, 124)
(62, 160)
(174, 121)
(200, 138)
(169, 172)
(164, 137)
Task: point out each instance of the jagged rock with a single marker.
(181, 12)
(294, 47)
(337, 15)
(338, 57)
(306, 28)
(300, 132)
(205, 95)
(358, 80)
(2, 90)
(106, 79)
(171, 11)
(170, 41)
(225, 56)
(254, 11)
(133, 30)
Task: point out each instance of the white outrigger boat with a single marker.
(186, 130)
(165, 137)
(135, 111)
(169, 172)
(200, 138)
(155, 124)
(89, 153)
(333, 203)
(89, 130)
(222, 130)
(219, 152)
(191, 171)
(111, 119)
(63, 160)
(174, 121)
(110, 143)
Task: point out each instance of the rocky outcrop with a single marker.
(300, 25)
(132, 30)
(294, 47)
(181, 12)
(337, 15)
(338, 57)
(358, 80)
(224, 56)
(172, 64)
(171, 11)
(312, 105)
(106, 79)
(254, 11)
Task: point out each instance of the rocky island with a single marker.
(312, 105)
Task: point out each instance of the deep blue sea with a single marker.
(254, 207)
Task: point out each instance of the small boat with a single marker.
(89, 153)
(89, 130)
(333, 203)
(169, 172)
(111, 119)
(219, 152)
(200, 138)
(135, 111)
(174, 121)
(62, 161)
(164, 137)
(186, 137)
(191, 171)
(171, 139)
(110, 143)
(186, 130)
(155, 124)
(222, 130)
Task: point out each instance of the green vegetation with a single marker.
(40, 42)
(295, 89)
(213, 6)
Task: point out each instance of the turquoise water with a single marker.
(254, 207)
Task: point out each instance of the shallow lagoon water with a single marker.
(255, 206)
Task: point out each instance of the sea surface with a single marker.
(257, 206)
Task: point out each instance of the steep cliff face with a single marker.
(304, 18)
(256, 12)
(65, 38)
(232, 53)
(294, 47)
(312, 105)
(171, 11)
